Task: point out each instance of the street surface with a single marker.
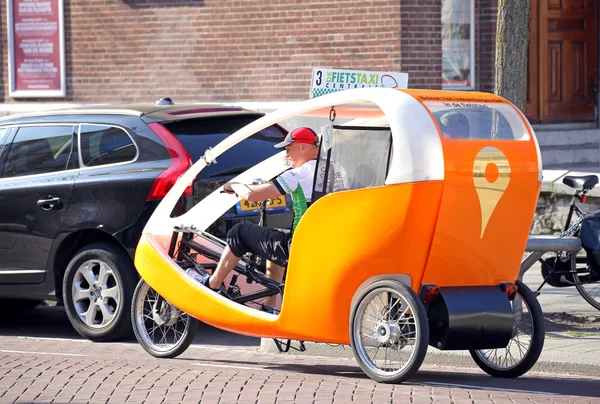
(39, 364)
(43, 360)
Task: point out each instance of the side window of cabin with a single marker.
(358, 158)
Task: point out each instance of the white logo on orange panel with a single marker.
(491, 175)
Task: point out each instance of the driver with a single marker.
(301, 146)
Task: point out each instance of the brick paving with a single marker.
(51, 371)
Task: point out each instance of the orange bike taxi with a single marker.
(429, 227)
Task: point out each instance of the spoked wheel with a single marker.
(588, 285)
(526, 343)
(161, 328)
(389, 332)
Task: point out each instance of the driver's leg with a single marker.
(226, 264)
(241, 238)
(274, 272)
(270, 244)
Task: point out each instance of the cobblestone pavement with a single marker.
(40, 370)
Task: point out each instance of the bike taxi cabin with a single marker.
(426, 187)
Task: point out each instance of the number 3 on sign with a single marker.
(319, 77)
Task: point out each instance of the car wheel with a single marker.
(98, 290)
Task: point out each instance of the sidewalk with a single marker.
(572, 343)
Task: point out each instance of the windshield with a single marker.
(481, 120)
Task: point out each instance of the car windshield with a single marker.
(197, 135)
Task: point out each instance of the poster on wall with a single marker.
(36, 48)
(458, 44)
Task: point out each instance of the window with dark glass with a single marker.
(39, 150)
(101, 145)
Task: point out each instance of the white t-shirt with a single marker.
(298, 182)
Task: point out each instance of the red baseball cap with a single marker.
(299, 135)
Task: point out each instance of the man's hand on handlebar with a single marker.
(254, 192)
(237, 189)
(228, 189)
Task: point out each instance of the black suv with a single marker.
(77, 187)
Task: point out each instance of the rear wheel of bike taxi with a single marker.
(162, 329)
(526, 343)
(389, 332)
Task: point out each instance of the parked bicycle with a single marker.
(567, 266)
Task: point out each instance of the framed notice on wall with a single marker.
(36, 48)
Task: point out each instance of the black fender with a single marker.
(471, 317)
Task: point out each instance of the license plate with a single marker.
(272, 204)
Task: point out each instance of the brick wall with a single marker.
(211, 50)
(421, 38)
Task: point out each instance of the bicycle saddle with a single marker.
(586, 182)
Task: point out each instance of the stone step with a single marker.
(569, 138)
(586, 155)
(573, 149)
(586, 168)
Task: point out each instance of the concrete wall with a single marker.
(555, 198)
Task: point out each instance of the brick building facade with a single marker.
(242, 50)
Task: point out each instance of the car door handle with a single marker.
(50, 203)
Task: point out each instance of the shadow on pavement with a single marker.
(532, 383)
(52, 322)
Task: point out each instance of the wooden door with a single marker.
(565, 61)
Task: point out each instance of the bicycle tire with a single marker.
(580, 286)
(420, 329)
(140, 323)
(531, 355)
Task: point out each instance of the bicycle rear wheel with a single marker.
(526, 343)
(588, 285)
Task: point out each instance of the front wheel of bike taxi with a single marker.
(526, 342)
(162, 329)
(389, 332)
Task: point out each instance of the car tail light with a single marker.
(180, 162)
